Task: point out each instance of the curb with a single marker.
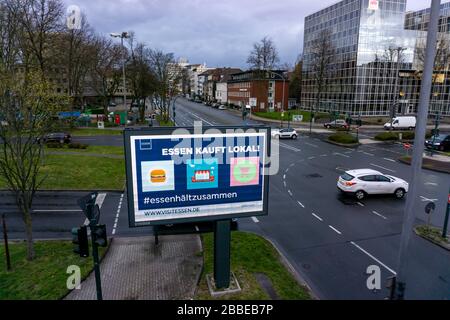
(445, 247)
(285, 261)
(424, 166)
(352, 145)
(89, 274)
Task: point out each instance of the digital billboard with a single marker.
(178, 175)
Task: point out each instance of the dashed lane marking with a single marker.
(340, 154)
(389, 159)
(301, 204)
(335, 230)
(317, 217)
(373, 258)
(381, 167)
(290, 192)
(255, 220)
(380, 215)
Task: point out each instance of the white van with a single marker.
(401, 123)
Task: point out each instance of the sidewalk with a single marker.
(135, 269)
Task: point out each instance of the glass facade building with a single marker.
(376, 58)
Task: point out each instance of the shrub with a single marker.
(344, 138)
(387, 136)
(78, 146)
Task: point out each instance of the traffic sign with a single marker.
(430, 207)
(407, 146)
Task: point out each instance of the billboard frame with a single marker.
(158, 131)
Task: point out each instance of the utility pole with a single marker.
(417, 159)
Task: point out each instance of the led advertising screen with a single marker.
(180, 176)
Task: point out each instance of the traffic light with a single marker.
(81, 242)
(99, 236)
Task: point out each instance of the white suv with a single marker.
(288, 133)
(367, 181)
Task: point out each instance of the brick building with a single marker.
(261, 89)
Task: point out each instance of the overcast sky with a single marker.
(218, 32)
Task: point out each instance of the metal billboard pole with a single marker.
(416, 165)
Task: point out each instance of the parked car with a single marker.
(363, 182)
(336, 124)
(59, 137)
(440, 142)
(287, 133)
(401, 123)
(222, 107)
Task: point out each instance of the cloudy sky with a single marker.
(218, 32)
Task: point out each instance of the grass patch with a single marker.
(433, 234)
(252, 254)
(277, 115)
(164, 123)
(45, 277)
(101, 150)
(395, 135)
(89, 132)
(344, 138)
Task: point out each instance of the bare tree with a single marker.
(320, 63)
(295, 83)
(105, 72)
(167, 75)
(393, 57)
(139, 75)
(40, 21)
(264, 55)
(27, 109)
(74, 51)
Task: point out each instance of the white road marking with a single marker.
(360, 204)
(431, 184)
(380, 215)
(372, 257)
(316, 216)
(340, 154)
(255, 220)
(211, 124)
(284, 182)
(301, 204)
(284, 177)
(286, 146)
(425, 199)
(118, 213)
(335, 230)
(389, 159)
(312, 145)
(310, 158)
(60, 210)
(324, 155)
(290, 192)
(368, 154)
(381, 167)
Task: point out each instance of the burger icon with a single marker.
(158, 176)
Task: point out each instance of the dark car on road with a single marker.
(58, 137)
(440, 142)
(336, 124)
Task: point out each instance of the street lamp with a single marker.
(123, 35)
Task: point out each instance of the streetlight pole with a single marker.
(123, 35)
(417, 159)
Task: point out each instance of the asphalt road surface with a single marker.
(330, 240)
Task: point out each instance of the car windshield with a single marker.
(347, 177)
(440, 138)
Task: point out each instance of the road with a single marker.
(332, 240)
(329, 240)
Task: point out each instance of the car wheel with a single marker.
(360, 194)
(399, 193)
(294, 137)
(328, 127)
(61, 141)
(411, 128)
(442, 148)
(277, 136)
